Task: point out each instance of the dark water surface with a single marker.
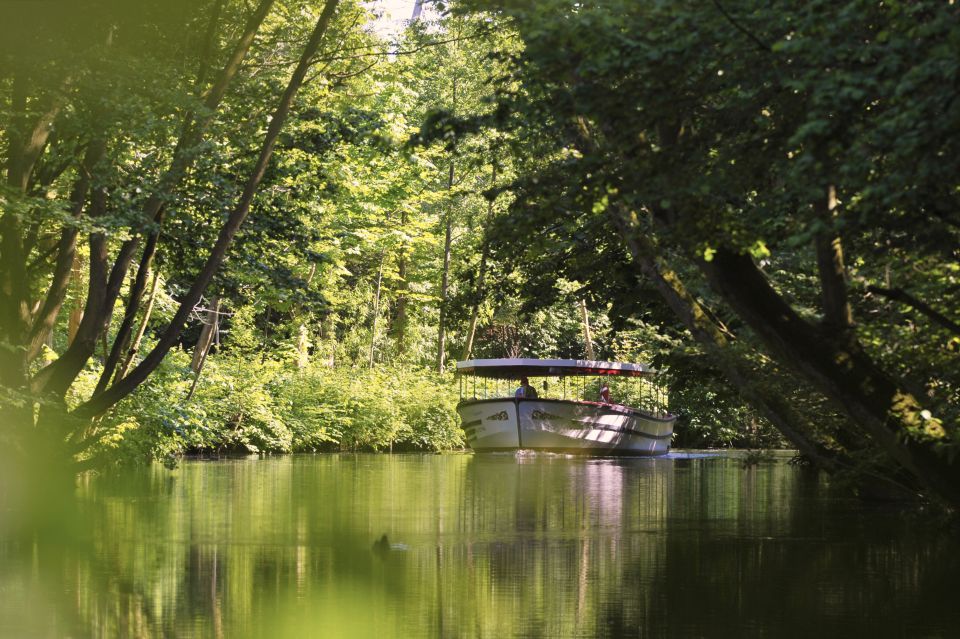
(690, 545)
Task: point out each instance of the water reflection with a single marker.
(480, 546)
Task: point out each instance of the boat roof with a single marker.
(515, 368)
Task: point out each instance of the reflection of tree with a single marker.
(486, 546)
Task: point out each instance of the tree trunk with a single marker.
(587, 338)
(66, 254)
(182, 159)
(101, 402)
(55, 379)
(837, 315)
(837, 367)
(376, 310)
(447, 242)
(122, 338)
(14, 292)
(715, 339)
(871, 397)
(135, 345)
(398, 328)
(208, 44)
(25, 144)
(481, 272)
(444, 289)
(206, 334)
(76, 311)
(28, 146)
(706, 329)
(211, 327)
(831, 360)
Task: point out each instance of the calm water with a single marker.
(692, 545)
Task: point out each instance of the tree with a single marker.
(25, 150)
(765, 147)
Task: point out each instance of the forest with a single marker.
(267, 227)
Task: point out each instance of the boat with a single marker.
(494, 418)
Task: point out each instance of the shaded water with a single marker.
(481, 546)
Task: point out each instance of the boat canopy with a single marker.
(514, 368)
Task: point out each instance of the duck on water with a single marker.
(496, 418)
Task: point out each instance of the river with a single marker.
(528, 545)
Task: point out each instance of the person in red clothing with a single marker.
(605, 393)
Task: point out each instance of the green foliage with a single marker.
(254, 405)
(338, 268)
(722, 128)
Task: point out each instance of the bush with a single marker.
(245, 404)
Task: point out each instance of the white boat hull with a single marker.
(564, 426)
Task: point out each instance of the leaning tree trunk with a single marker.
(839, 368)
(191, 131)
(66, 253)
(102, 401)
(715, 339)
(55, 379)
(827, 356)
(138, 337)
(25, 142)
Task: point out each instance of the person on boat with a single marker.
(526, 391)
(605, 393)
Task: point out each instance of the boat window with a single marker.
(646, 393)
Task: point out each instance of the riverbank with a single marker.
(245, 405)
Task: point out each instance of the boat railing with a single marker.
(636, 393)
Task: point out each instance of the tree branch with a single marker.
(763, 46)
(900, 295)
(869, 395)
(66, 249)
(837, 315)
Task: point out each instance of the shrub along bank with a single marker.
(255, 405)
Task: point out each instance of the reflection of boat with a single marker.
(506, 422)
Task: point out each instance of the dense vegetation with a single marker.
(264, 227)
(785, 178)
